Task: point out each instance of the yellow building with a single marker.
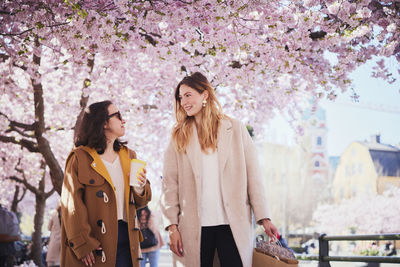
(366, 168)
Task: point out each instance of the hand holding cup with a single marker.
(138, 173)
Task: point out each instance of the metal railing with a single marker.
(324, 258)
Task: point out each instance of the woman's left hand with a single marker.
(142, 178)
(270, 229)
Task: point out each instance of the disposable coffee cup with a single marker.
(137, 167)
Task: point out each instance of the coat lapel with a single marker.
(101, 169)
(224, 144)
(193, 152)
(98, 165)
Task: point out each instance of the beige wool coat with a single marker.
(241, 185)
(53, 248)
(89, 209)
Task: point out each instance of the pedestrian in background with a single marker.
(98, 205)
(152, 238)
(211, 182)
(54, 246)
(9, 234)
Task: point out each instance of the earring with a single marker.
(204, 103)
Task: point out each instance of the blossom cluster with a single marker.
(261, 57)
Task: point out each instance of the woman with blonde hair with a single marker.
(211, 182)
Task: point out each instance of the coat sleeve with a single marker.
(255, 183)
(74, 212)
(170, 188)
(142, 199)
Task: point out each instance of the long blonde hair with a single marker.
(211, 116)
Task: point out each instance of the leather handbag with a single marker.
(273, 253)
(263, 260)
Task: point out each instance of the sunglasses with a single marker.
(118, 114)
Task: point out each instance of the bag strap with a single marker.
(260, 238)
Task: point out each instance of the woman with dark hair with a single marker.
(152, 240)
(97, 202)
(211, 182)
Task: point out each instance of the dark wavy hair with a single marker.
(91, 129)
(148, 213)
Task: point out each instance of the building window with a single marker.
(319, 141)
(316, 163)
(272, 174)
(353, 191)
(367, 190)
(360, 168)
(348, 170)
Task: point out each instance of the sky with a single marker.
(377, 112)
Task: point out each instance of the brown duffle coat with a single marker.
(89, 209)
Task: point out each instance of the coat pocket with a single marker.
(92, 180)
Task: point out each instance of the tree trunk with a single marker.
(56, 172)
(14, 204)
(40, 196)
(17, 199)
(36, 252)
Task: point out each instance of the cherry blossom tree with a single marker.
(58, 56)
(382, 212)
(39, 191)
(267, 53)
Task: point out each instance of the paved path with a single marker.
(165, 258)
(166, 261)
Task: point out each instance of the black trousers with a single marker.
(123, 251)
(219, 238)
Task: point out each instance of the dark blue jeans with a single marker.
(152, 258)
(123, 251)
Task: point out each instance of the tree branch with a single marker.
(4, 12)
(25, 183)
(14, 129)
(30, 29)
(18, 66)
(27, 127)
(23, 195)
(4, 57)
(149, 36)
(48, 194)
(29, 145)
(317, 35)
(16, 198)
(14, 125)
